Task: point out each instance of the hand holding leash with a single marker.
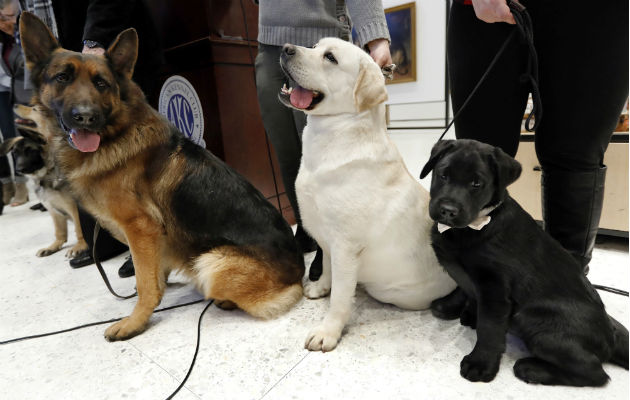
(492, 11)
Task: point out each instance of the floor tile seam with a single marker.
(165, 370)
(284, 376)
(356, 308)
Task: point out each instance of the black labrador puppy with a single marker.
(514, 276)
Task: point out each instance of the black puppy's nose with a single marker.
(84, 115)
(288, 49)
(448, 211)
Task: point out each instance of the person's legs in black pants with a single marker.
(284, 129)
(583, 78)
(7, 131)
(106, 246)
(495, 112)
(583, 70)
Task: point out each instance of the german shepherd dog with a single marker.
(35, 160)
(175, 204)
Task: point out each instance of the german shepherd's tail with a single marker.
(620, 351)
(252, 280)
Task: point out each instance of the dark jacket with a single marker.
(102, 21)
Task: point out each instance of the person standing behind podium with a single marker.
(304, 24)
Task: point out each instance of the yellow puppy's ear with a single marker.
(369, 90)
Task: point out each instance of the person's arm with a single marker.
(369, 22)
(491, 11)
(104, 21)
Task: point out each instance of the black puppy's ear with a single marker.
(124, 52)
(38, 42)
(9, 144)
(507, 169)
(438, 151)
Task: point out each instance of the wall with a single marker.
(421, 103)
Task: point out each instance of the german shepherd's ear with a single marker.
(38, 42)
(369, 90)
(124, 52)
(507, 170)
(9, 144)
(437, 152)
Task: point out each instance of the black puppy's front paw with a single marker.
(449, 306)
(479, 366)
(469, 317)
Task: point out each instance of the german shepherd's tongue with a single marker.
(301, 98)
(85, 141)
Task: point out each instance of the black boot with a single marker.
(127, 269)
(571, 207)
(304, 240)
(315, 271)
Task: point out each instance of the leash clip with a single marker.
(388, 71)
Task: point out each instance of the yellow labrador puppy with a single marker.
(356, 197)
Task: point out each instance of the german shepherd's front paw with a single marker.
(77, 249)
(322, 339)
(124, 329)
(53, 248)
(480, 366)
(317, 289)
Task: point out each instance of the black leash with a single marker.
(93, 324)
(192, 363)
(610, 289)
(97, 228)
(524, 26)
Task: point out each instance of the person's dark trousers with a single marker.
(106, 246)
(283, 125)
(7, 131)
(284, 128)
(583, 77)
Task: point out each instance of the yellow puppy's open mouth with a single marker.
(299, 97)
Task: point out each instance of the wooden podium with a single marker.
(212, 44)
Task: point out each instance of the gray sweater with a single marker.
(304, 22)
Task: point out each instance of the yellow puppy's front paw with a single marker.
(122, 330)
(322, 339)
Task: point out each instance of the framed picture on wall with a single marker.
(401, 21)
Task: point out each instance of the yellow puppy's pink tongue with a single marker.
(301, 98)
(85, 141)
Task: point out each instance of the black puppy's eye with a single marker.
(62, 77)
(475, 183)
(443, 177)
(329, 56)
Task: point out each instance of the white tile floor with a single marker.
(385, 353)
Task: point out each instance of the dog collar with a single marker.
(478, 223)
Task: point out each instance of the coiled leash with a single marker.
(525, 28)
